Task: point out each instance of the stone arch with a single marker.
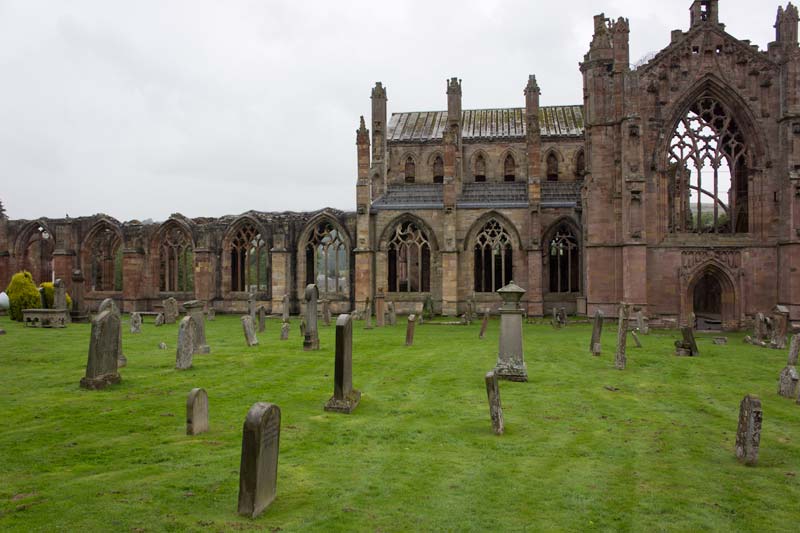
(404, 160)
(473, 161)
(579, 162)
(728, 299)
(172, 263)
(35, 234)
(493, 249)
(389, 229)
(102, 273)
(509, 226)
(302, 258)
(501, 164)
(238, 270)
(562, 247)
(552, 159)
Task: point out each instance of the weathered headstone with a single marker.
(789, 379)
(197, 412)
(162, 345)
(380, 309)
(495, 407)
(59, 294)
(780, 325)
(187, 331)
(620, 358)
(642, 323)
(101, 368)
(410, 330)
(251, 306)
(595, 346)
(636, 338)
(427, 308)
(42, 298)
(284, 331)
(484, 324)
(211, 314)
(326, 311)
(159, 319)
(249, 330)
(392, 314)
(688, 345)
(368, 314)
(510, 360)
(345, 398)
(562, 317)
(554, 318)
(194, 308)
(262, 319)
(285, 308)
(720, 340)
(108, 304)
(170, 310)
(311, 335)
(748, 434)
(302, 327)
(136, 323)
(258, 471)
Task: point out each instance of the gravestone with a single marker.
(620, 358)
(249, 330)
(251, 306)
(170, 310)
(636, 338)
(211, 314)
(780, 325)
(345, 398)
(760, 328)
(303, 327)
(101, 368)
(368, 314)
(197, 412)
(554, 318)
(326, 311)
(495, 407)
(311, 335)
(789, 379)
(427, 308)
(262, 319)
(284, 331)
(285, 308)
(687, 346)
(410, 330)
(595, 346)
(136, 323)
(42, 298)
(748, 434)
(510, 361)
(720, 340)
(392, 314)
(194, 308)
(258, 470)
(162, 345)
(642, 323)
(380, 309)
(484, 324)
(562, 317)
(187, 331)
(159, 319)
(59, 294)
(108, 304)
(470, 310)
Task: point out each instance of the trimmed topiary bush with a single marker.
(23, 294)
(49, 294)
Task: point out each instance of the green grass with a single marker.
(417, 454)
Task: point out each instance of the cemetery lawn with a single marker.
(586, 447)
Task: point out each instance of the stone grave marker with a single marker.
(368, 314)
(302, 326)
(562, 317)
(249, 330)
(284, 331)
(170, 310)
(595, 346)
(410, 330)
(642, 323)
(720, 340)
(495, 407)
(108, 304)
(326, 311)
(311, 335)
(187, 332)
(211, 314)
(484, 324)
(345, 398)
(380, 309)
(59, 294)
(258, 470)
(251, 306)
(194, 308)
(636, 340)
(554, 318)
(427, 308)
(688, 345)
(162, 345)
(262, 319)
(159, 319)
(101, 367)
(136, 323)
(510, 360)
(789, 379)
(392, 314)
(285, 308)
(620, 358)
(748, 434)
(197, 412)
(780, 325)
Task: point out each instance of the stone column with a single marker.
(281, 271)
(510, 361)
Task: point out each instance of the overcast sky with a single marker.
(144, 108)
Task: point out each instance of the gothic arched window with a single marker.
(552, 167)
(493, 258)
(438, 170)
(708, 171)
(580, 164)
(327, 261)
(106, 261)
(410, 170)
(564, 261)
(480, 168)
(249, 263)
(509, 168)
(176, 261)
(409, 259)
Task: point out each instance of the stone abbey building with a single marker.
(674, 186)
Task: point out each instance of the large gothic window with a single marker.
(552, 167)
(708, 172)
(105, 261)
(493, 258)
(480, 168)
(410, 170)
(438, 170)
(564, 261)
(509, 168)
(409, 259)
(249, 260)
(176, 264)
(327, 261)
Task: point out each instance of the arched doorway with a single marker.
(712, 298)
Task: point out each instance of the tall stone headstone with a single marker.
(285, 308)
(410, 330)
(249, 330)
(789, 379)
(380, 309)
(495, 407)
(251, 306)
(595, 346)
(326, 311)
(258, 471)
(484, 325)
(197, 412)
(101, 368)
(194, 308)
(262, 319)
(427, 308)
(748, 434)
(187, 332)
(562, 317)
(284, 331)
(620, 358)
(636, 338)
(311, 335)
(510, 360)
(42, 298)
(368, 314)
(170, 310)
(687, 345)
(642, 323)
(59, 294)
(391, 313)
(108, 304)
(345, 398)
(136, 323)
(780, 326)
(302, 327)
(554, 318)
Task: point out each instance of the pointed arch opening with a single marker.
(249, 260)
(175, 259)
(479, 169)
(552, 167)
(410, 170)
(564, 268)
(509, 168)
(327, 261)
(35, 251)
(104, 258)
(493, 257)
(438, 169)
(409, 255)
(580, 164)
(712, 299)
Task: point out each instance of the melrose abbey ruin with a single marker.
(674, 187)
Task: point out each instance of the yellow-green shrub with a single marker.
(22, 294)
(50, 294)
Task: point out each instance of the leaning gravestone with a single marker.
(311, 335)
(159, 319)
(368, 314)
(262, 319)
(410, 330)
(101, 368)
(620, 358)
(510, 360)
(748, 434)
(170, 310)
(258, 470)
(285, 331)
(495, 408)
(595, 346)
(636, 338)
(197, 412)
(688, 345)
(392, 314)
(484, 324)
(108, 304)
(345, 398)
(789, 378)
(136, 323)
(249, 331)
(194, 308)
(186, 343)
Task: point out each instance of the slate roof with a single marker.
(561, 193)
(504, 123)
(411, 196)
(487, 194)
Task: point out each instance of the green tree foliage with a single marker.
(49, 295)
(22, 294)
